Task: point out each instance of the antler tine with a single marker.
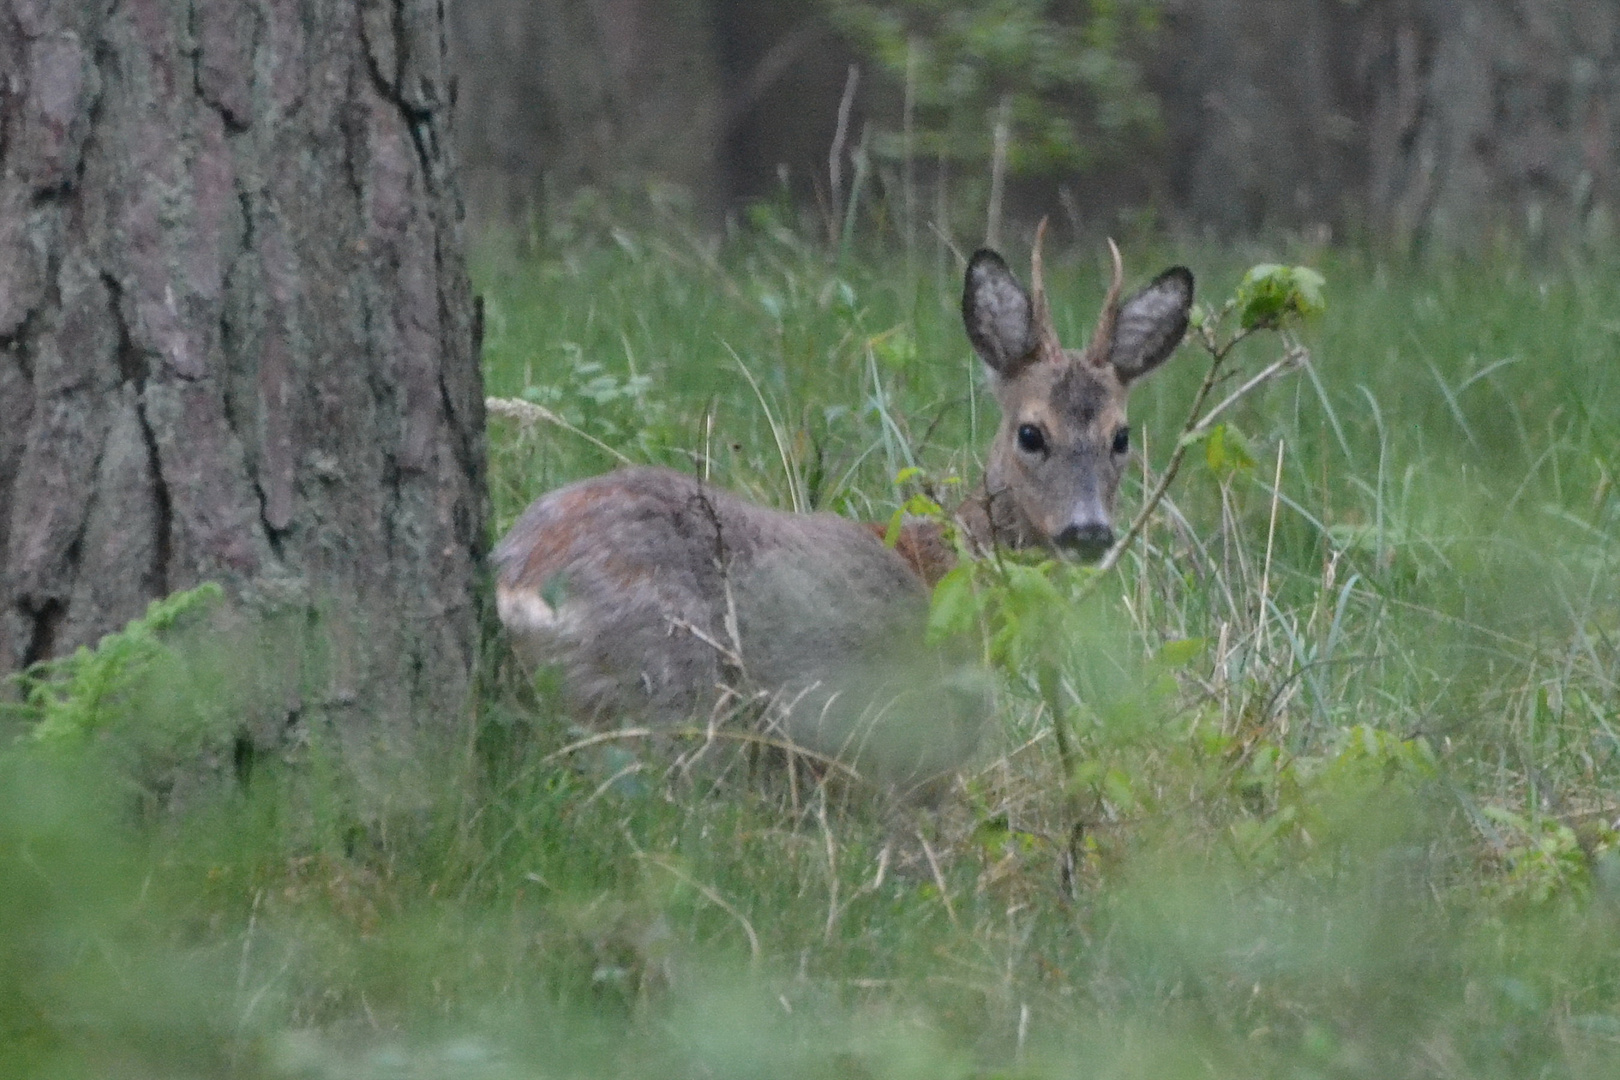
(1047, 333)
(1037, 280)
(1104, 337)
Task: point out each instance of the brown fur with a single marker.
(922, 545)
(658, 595)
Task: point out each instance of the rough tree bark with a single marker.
(237, 341)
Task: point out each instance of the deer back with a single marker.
(660, 596)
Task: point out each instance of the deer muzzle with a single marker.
(1089, 531)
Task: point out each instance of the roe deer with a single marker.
(657, 594)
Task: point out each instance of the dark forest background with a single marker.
(1428, 123)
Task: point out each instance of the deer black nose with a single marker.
(1087, 541)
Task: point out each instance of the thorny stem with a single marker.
(1051, 689)
(1190, 430)
(1196, 424)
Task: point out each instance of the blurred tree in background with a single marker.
(1418, 122)
(561, 95)
(1057, 76)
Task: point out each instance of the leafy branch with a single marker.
(1022, 607)
(1270, 297)
(1059, 78)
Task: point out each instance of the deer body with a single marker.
(663, 589)
(658, 594)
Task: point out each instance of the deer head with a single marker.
(1054, 467)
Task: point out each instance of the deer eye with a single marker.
(1030, 439)
(1122, 440)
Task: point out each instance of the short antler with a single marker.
(1102, 341)
(1047, 346)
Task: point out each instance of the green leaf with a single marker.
(1227, 451)
(920, 505)
(1308, 284)
(895, 348)
(1193, 438)
(992, 833)
(1118, 789)
(1088, 773)
(1182, 651)
(74, 695)
(891, 535)
(955, 607)
(1270, 293)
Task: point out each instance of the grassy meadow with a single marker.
(1342, 798)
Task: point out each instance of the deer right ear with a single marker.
(998, 315)
(1151, 324)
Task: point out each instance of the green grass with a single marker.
(1348, 750)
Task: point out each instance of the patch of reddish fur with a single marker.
(573, 528)
(922, 544)
(549, 549)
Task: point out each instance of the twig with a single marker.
(527, 412)
(730, 656)
(1291, 359)
(939, 880)
(1196, 424)
(1166, 478)
(835, 169)
(691, 732)
(998, 173)
(1051, 689)
(713, 897)
(1191, 430)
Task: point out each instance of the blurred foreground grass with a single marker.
(1347, 747)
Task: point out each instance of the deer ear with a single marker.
(998, 314)
(1151, 324)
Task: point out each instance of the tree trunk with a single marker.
(237, 342)
(1430, 122)
(564, 94)
(1260, 129)
(1495, 119)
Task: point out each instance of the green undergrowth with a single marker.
(1338, 799)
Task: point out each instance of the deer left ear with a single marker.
(1151, 324)
(998, 315)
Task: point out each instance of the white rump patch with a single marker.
(522, 610)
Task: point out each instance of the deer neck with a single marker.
(989, 519)
(984, 522)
